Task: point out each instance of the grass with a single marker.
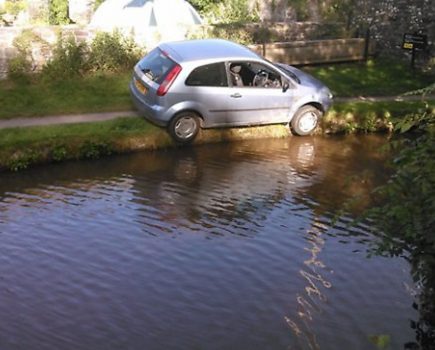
(38, 97)
(22, 147)
(100, 131)
(371, 78)
(370, 116)
(390, 108)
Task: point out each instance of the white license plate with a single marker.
(142, 88)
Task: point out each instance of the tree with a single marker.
(203, 5)
(58, 12)
(404, 213)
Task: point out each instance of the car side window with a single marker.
(208, 75)
(254, 74)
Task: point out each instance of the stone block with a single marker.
(10, 52)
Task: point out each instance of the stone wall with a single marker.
(388, 20)
(80, 11)
(7, 51)
(41, 50)
(299, 50)
(403, 16)
(38, 10)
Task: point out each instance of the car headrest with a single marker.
(236, 69)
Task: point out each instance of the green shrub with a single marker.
(14, 7)
(59, 153)
(21, 160)
(19, 68)
(242, 33)
(231, 11)
(234, 32)
(231, 31)
(94, 150)
(301, 8)
(23, 63)
(68, 59)
(58, 12)
(112, 52)
(203, 6)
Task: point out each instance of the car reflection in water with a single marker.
(200, 188)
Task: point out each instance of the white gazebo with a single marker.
(149, 21)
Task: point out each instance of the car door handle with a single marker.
(236, 95)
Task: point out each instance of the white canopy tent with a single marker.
(149, 21)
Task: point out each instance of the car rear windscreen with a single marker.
(156, 65)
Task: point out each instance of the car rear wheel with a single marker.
(184, 127)
(305, 120)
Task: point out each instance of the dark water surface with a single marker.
(217, 247)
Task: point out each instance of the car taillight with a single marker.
(169, 79)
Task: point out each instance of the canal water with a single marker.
(229, 246)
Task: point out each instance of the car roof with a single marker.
(206, 49)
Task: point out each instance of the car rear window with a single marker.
(209, 75)
(156, 65)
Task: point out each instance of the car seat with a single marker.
(235, 75)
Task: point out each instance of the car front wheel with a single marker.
(305, 120)
(184, 127)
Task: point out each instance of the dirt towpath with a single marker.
(65, 119)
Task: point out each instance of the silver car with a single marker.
(187, 85)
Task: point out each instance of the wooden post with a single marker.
(367, 44)
(413, 57)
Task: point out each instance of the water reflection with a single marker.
(193, 187)
(217, 180)
(309, 303)
(221, 246)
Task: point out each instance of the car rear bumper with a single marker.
(151, 113)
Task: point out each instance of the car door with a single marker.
(258, 95)
(207, 85)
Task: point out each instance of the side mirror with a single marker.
(285, 86)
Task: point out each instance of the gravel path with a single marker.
(64, 119)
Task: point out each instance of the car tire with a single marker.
(184, 127)
(305, 120)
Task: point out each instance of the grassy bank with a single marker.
(23, 147)
(372, 78)
(365, 116)
(36, 96)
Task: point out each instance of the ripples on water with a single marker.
(217, 247)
